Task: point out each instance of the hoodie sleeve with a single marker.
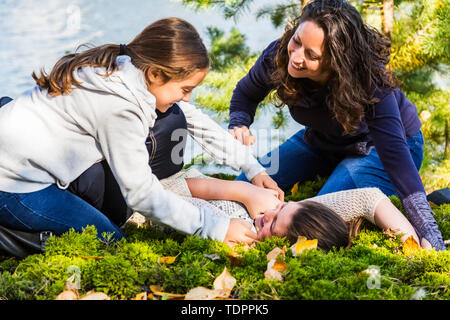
(219, 143)
(121, 135)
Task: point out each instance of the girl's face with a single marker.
(305, 51)
(275, 222)
(174, 90)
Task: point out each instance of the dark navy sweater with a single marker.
(393, 119)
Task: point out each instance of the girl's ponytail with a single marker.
(172, 46)
(60, 80)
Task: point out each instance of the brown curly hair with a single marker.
(355, 55)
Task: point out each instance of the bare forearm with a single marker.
(388, 216)
(216, 189)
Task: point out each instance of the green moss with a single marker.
(123, 269)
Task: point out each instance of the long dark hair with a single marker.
(314, 220)
(170, 45)
(355, 55)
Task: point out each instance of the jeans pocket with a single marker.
(9, 220)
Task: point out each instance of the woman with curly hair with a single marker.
(329, 68)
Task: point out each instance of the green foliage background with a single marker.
(420, 52)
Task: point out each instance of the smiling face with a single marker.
(305, 51)
(275, 222)
(174, 90)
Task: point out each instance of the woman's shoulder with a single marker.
(271, 50)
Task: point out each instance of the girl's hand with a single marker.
(240, 231)
(243, 134)
(257, 200)
(263, 180)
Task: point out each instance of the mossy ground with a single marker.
(124, 269)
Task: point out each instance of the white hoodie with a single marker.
(48, 140)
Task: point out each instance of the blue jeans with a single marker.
(296, 161)
(52, 209)
(94, 198)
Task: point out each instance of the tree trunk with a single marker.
(388, 17)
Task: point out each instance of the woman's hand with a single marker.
(257, 200)
(263, 180)
(243, 134)
(240, 231)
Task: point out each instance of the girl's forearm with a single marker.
(216, 189)
(388, 216)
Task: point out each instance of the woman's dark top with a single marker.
(394, 119)
(390, 122)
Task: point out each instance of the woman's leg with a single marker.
(52, 209)
(4, 100)
(295, 161)
(98, 186)
(368, 171)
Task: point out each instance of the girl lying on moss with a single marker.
(333, 219)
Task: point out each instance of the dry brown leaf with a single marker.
(202, 293)
(92, 295)
(225, 282)
(273, 273)
(276, 252)
(67, 295)
(410, 246)
(223, 285)
(157, 291)
(235, 258)
(303, 245)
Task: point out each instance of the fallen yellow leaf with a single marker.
(167, 260)
(410, 246)
(140, 296)
(294, 189)
(280, 266)
(303, 245)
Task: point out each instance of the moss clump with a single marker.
(125, 268)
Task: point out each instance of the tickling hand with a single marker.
(243, 134)
(240, 231)
(263, 180)
(257, 200)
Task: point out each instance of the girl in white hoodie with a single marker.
(98, 105)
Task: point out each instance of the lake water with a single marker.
(35, 34)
